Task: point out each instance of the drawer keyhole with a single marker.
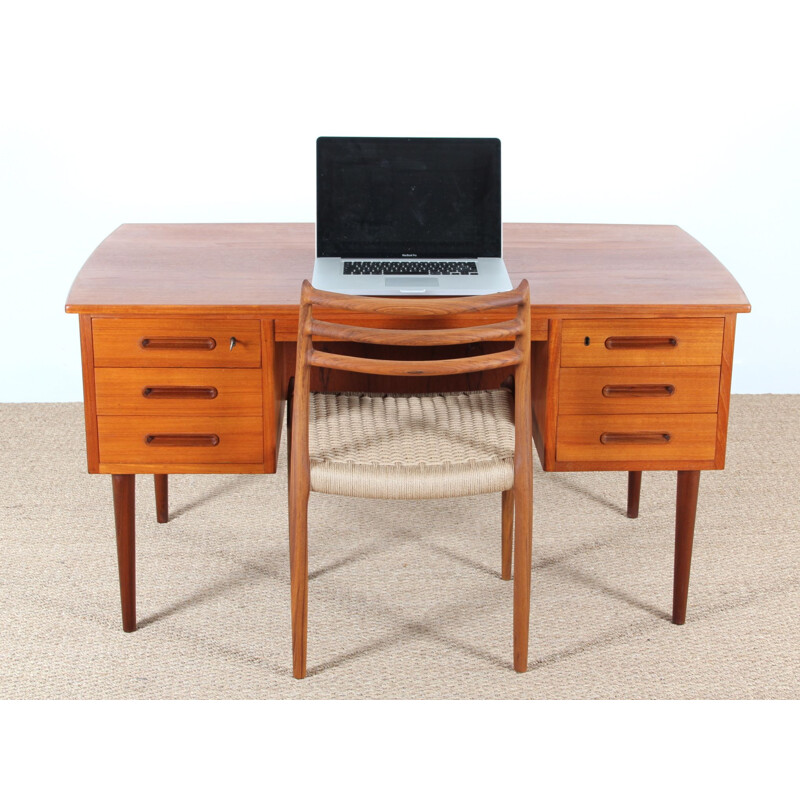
(587, 341)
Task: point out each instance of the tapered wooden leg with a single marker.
(124, 488)
(685, 513)
(523, 523)
(162, 497)
(298, 565)
(634, 489)
(507, 534)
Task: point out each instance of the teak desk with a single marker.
(188, 336)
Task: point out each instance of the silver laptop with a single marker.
(409, 216)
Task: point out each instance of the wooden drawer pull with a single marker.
(179, 343)
(180, 392)
(182, 439)
(634, 438)
(641, 342)
(639, 390)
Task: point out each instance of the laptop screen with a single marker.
(421, 198)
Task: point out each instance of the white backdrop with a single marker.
(680, 113)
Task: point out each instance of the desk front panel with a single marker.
(286, 326)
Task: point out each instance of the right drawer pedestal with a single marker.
(638, 393)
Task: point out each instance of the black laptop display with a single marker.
(434, 198)
(390, 208)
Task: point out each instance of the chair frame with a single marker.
(517, 503)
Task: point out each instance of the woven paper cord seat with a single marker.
(411, 446)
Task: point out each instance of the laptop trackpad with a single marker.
(412, 283)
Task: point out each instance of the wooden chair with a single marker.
(396, 446)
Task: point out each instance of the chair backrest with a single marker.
(426, 309)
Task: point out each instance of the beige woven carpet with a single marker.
(405, 597)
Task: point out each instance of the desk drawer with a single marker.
(174, 392)
(638, 390)
(636, 437)
(641, 342)
(181, 440)
(159, 342)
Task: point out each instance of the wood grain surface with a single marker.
(623, 390)
(638, 342)
(691, 437)
(119, 342)
(125, 391)
(258, 267)
(124, 439)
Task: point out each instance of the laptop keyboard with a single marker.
(410, 268)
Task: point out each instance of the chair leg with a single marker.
(523, 528)
(634, 489)
(507, 534)
(162, 497)
(289, 446)
(298, 564)
(289, 395)
(289, 404)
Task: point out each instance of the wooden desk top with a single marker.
(257, 268)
